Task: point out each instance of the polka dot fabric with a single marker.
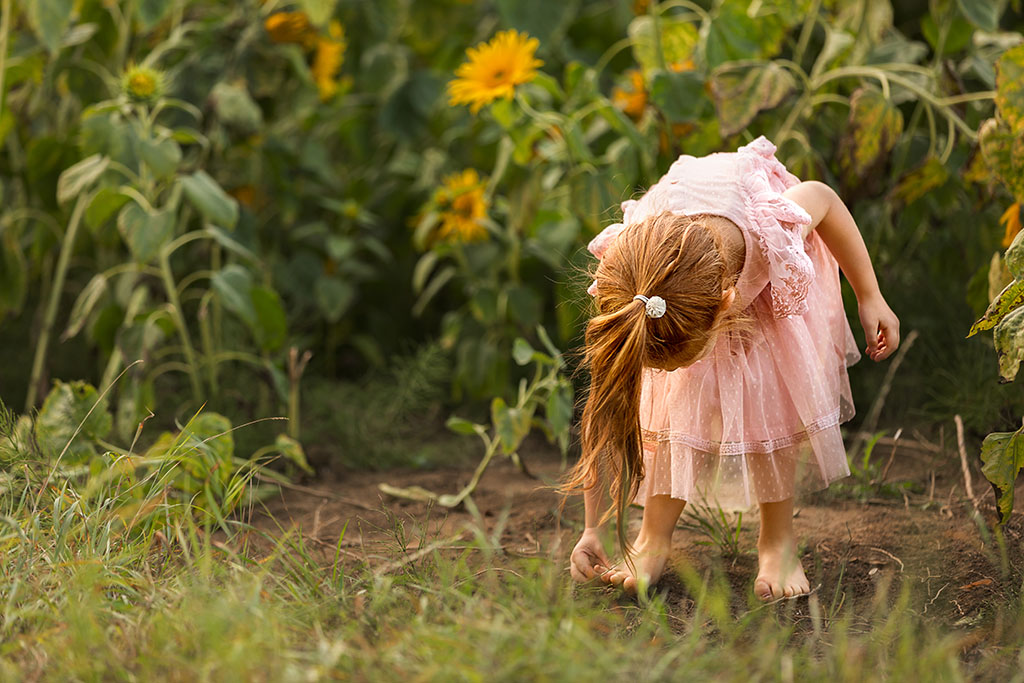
(757, 418)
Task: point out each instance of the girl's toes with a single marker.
(629, 584)
(763, 589)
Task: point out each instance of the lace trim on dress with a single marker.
(773, 218)
(833, 419)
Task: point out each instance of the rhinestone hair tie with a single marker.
(654, 306)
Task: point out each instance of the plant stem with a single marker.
(66, 247)
(5, 29)
(179, 320)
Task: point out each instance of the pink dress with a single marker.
(758, 416)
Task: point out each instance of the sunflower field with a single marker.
(250, 250)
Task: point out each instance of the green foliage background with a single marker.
(240, 210)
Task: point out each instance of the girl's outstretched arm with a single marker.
(839, 231)
(588, 559)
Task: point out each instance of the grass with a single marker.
(84, 597)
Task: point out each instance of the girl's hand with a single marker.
(588, 560)
(881, 327)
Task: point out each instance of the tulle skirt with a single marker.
(757, 419)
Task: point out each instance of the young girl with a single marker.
(718, 358)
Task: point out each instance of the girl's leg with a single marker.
(652, 546)
(780, 573)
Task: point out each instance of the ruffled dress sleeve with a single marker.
(775, 221)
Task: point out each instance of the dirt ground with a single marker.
(925, 536)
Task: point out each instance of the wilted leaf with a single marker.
(741, 92)
(1004, 155)
(1011, 298)
(1009, 341)
(873, 128)
(64, 409)
(1010, 88)
(210, 199)
(84, 304)
(1002, 455)
(76, 179)
(292, 451)
(1015, 256)
(145, 233)
(678, 39)
(919, 182)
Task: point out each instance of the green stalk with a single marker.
(5, 29)
(50, 317)
(179, 320)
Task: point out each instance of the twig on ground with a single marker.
(963, 461)
(887, 553)
(892, 455)
(437, 545)
(934, 598)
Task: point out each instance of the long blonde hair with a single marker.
(680, 259)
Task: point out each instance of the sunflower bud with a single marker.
(142, 83)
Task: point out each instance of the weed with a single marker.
(714, 523)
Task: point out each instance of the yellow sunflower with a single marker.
(291, 27)
(634, 100)
(1011, 218)
(142, 83)
(494, 70)
(462, 207)
(330, 54)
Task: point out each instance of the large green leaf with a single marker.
(235, 106)
(982, 13)
(334, 296)
(271, 326)
(873, 128)
(210, 199)
(50, 19)
(734, 35)
(1010, 299)
(162, 156)
(1002, 455)
(559, 411)
(741, 92)
(233, 285)
(76, 179)
(67, 407)
(541, 19)
(1009, 341)
(103, 205)
(511, 425)
(679, 95)
(144, 232)
(1003, 152)
(150, 12)
(1010, 88)
(678, 40)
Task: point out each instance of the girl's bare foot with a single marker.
(648, 564)
(780, 574)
